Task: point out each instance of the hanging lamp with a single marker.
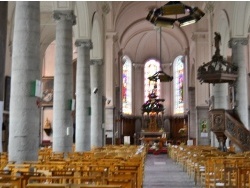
(160, 75)
(158, 17)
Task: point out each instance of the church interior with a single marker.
(89, 89)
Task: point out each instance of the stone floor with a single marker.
(161, 171)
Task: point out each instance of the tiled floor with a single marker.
(161, 171)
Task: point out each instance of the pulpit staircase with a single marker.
(226, 124)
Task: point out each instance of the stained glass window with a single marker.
(127, 86)
(151, 67)
(178, 70)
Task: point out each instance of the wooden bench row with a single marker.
(212, 168)
(125, 169)
(38, 185)
(127, 176)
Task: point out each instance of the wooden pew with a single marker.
(125, 180)
(7, 185)
(13, 180)
(67, 180)
(38, 185)
(125, 168)
(131, 168)
(26, 175)
(244, 177)
(96, 186)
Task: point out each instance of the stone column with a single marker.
(83, 110)
(111, 38)
(96, 103)
(239, 58)
(218, 100)
(63, 83)
(3, 36)
(138, 87)
(24, 113)
(219, 93)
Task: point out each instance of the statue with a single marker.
(47, 124)
(217, 40)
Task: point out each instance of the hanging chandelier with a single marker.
(153, 104)
(160, 75)
(162, 16)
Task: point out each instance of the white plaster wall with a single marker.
(202, 90)
(49, 60)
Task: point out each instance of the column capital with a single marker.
(111, 35)
(237, 41)
(209, 7)
(64, 15)
(96, 62)
(105, 7)
(84, 43)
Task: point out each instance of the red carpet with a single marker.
(157, 152)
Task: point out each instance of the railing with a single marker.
(237, 132)
(225, 123)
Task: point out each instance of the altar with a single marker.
(149, 138)
(153, 133)
(149, 141)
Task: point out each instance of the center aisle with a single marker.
(161, 171)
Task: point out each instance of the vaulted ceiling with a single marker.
(137, 37)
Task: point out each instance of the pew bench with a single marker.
(96, 186)
(7, 185)
(38, 185)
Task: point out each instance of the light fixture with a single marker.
(95, 90)
(160, 75)
(187, 20)
(153, 104)
(196, 15)
(164, 22)
(158, 16)
(173, 8)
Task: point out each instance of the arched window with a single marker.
(127, 86)
(178, 71)
(150, 68)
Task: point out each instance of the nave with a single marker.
(162, 171)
